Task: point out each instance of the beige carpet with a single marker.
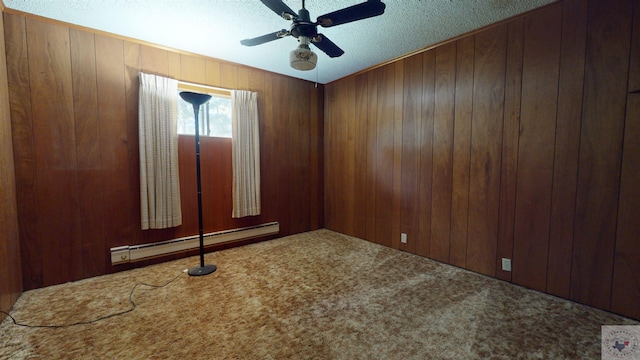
(317, 295)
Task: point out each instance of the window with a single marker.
(214, 117)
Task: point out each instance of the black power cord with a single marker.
(133, 307)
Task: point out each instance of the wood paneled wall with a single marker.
(519, 141)
(10, 269)
(74, 109)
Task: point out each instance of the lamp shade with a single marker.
(196, 99)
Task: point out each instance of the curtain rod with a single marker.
(205, 86)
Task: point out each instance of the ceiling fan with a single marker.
(302, 28)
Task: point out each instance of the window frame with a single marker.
(204, 89)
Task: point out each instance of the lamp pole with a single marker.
(197, 99)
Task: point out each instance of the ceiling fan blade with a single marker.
(264, 38)
(361, 11)
(327, 46)
(278, 7)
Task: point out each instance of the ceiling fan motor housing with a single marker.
(302, 25)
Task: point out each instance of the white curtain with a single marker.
(245, 154)
(159, 181)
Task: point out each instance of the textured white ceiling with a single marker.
(215, 27)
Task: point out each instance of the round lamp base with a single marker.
(202, 270)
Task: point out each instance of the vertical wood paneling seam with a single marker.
(398, 116)
(635, 4)
(402, 115)
(620, 164)
(31, 105)
(95, 50)
(617, 209)
(33, 136)
(75, 134)
(451, 147)
(375, 155)
(133, 177)
(98, 137)
(325, 154)
(451, 151)
(312, 121)
(430, 139)
(38, 280)
(517, 168)
(351, 148)
(555, 146)
(504, 96)
(310, 153)
(617, 217)
(473, 83)
(28, 116)
(579, 151)
(621, 156)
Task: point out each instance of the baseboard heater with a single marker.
(125, 254)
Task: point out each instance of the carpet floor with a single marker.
(316, 295)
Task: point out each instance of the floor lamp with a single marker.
(196, 99)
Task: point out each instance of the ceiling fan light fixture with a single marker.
(302, 58)
(305, 30)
